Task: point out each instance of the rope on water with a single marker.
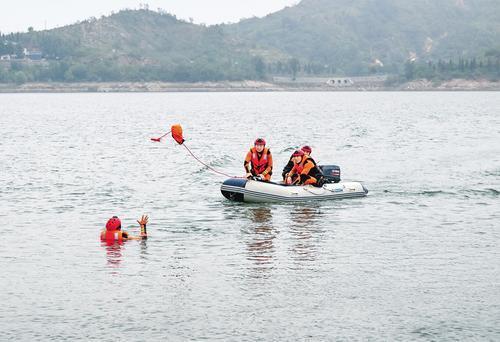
(208, 166)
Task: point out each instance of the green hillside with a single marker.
(138, 45)
(352, 35)
(314, 37)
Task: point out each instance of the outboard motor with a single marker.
(331, 173)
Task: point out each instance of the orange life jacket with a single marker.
(314, 172)
(259, 165)
(112, 236)
(300, 166)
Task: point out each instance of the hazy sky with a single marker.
(18, 15)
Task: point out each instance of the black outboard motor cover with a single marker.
(331, 173)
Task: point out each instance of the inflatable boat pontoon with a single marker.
(243, 190)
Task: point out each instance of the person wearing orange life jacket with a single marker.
(316, 171)
(259, 161)
(308, 173)
(114, 234)
(288, 167)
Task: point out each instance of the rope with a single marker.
(159, 139)
(164, 135)
(208, 166)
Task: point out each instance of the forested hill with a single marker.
(352, 35)
(314, 37)
(139, 45)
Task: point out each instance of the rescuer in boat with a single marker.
(113, 232)
(305, 168)
(259, 161)
(288, 167)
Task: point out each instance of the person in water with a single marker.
(259, 161)
(305, 169)
(114, 233)
(288, 167)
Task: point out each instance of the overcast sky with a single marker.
(18, 15)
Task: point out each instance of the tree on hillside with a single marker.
(493, 53)
(294, 65)
(260, 67)
(409, 70)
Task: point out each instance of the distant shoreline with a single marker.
(241, 86)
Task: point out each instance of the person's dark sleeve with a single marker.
(288, 167)
(125, 235)
(246, 163)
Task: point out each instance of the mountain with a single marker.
(149, 42)
(356, 34)
(314, 37)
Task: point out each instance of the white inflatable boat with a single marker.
(243, 190)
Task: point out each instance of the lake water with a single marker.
(418, 259)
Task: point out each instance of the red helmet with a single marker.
(298, 153)
(307, 149)
(114, 223)
(260, 141)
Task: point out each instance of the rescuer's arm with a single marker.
(248, 165)
(144, 234)
(307, 167)
(269, 167)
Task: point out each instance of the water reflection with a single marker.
(259, 243)
(305, 230)
(144, 249)
(113, 254)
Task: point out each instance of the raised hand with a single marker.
(144, 220)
